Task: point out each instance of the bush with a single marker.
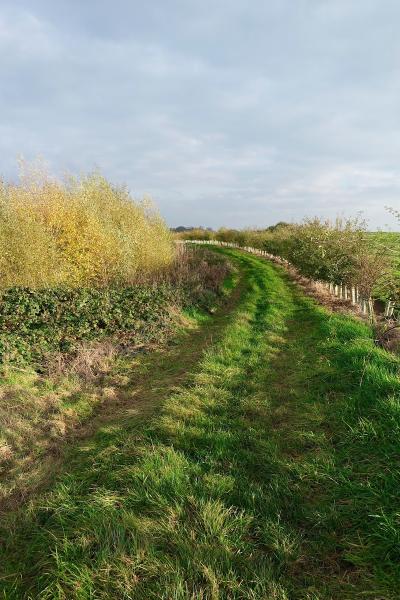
(81, 232)
(326, 251)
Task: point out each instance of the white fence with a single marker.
(341, 291)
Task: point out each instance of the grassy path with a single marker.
(272, 472)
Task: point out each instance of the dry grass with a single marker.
(87, 362)
(38, 411)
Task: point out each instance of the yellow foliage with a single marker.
(83, 231)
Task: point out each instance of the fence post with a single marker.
(364, 306)
(389, 308)
(371, 312)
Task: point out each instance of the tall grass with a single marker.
(82, 230)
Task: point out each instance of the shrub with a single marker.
(83, 231)
(326, 251)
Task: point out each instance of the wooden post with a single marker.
(364, 306)
(371, 311)
(389, 309)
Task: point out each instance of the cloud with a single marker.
(227, 113)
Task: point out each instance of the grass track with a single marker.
(271, 473)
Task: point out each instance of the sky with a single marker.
(226, 112)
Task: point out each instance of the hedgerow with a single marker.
(339, 252)
(80, 260)
(35, 322)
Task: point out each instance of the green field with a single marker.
(252, 459)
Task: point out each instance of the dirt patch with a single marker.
(390, 338)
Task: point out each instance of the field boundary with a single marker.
(349, 294)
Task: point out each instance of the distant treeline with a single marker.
(201, 231)
(183, 229)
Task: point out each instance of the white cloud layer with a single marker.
(226, 112)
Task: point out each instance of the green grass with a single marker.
(266, 469)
